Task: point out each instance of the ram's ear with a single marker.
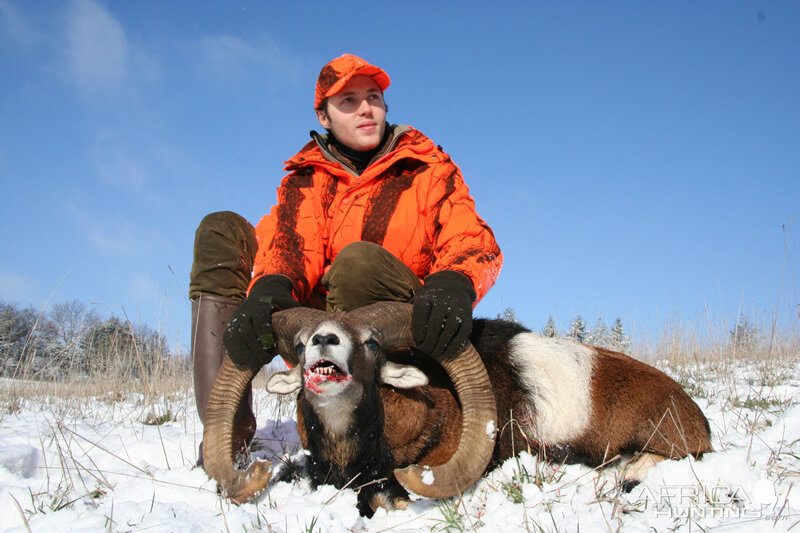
(285, 382)
(402, 376)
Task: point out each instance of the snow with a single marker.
(94, 465)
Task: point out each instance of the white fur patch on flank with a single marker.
(558, 374)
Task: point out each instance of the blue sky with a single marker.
(635, 159)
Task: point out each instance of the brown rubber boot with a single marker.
(210, 316)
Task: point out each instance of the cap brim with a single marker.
(376, 73)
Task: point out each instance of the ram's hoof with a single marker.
(249, 484)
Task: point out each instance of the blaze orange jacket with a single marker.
(412, 200)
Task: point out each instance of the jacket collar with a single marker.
(404, 141)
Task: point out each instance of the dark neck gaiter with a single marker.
(359, 159)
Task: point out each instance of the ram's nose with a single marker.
(328, 339)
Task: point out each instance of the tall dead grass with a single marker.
(118, 370)
(679, 345)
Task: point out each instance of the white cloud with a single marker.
(97, 48)
(232, 57)
(226, 53)
(116, 166)
(117, 235)
(15, 27)
(100, 55)
(137, 163)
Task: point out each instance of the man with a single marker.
(368, 212)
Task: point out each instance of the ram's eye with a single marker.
(299, 348)
(373, 345)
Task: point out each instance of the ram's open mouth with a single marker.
(324, 371)
(326, 368)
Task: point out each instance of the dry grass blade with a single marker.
(22, 514)
(112, 454)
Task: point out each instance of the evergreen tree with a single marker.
(744, 334)
(600, 336)
(508, 314)
(577, 329)
(619, 341)
(549, 329)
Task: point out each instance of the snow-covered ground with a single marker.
(92, 465)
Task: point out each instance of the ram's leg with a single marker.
(633, 471)
(390, 503)
(393, 497)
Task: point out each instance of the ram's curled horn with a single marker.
(228, 390)
(474, 390)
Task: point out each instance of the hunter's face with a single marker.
(357, 114)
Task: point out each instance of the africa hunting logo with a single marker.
(719, 501)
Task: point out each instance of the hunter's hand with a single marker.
(249, 338)
(442, 316)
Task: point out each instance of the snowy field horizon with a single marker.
(124, 461)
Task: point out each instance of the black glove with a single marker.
(249, 338)
(441, 320)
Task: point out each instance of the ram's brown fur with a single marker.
(675, 428)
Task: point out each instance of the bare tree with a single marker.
(72, 320)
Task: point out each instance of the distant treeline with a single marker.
(744, 334)
(71, 340)
(600, 335)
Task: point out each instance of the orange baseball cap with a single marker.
(338, 72)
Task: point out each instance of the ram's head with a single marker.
(335, 357)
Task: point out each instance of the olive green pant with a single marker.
(361, 274)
